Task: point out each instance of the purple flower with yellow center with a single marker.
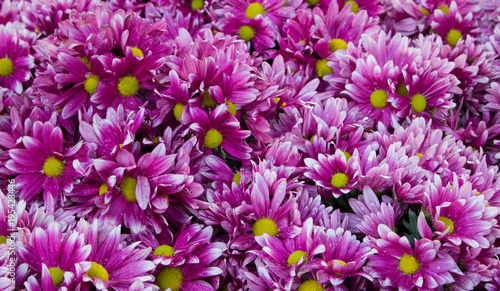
(285, 257)
(15, 60)
(334, 172)
(453, 26)
(343, 257)
(114, 263)
(128, 76)
(399, 265)
(176, 98)
(296, 40)
(221, 128)
(43, 165)
(255, 30)
(370, 6)
(58, 261)
(458, 214)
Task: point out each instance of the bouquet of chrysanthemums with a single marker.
(249, 145)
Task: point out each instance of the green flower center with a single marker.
(53, 167)
(164, 250)
(169, 278)
(57, 275)
(254, 9)
(447, 223)
(212, 139)
(85, 61)
(246, 32)
(408, 264)
(339, 180)
(237, 178)
(354, 6)
(127, 186)
(197, 4)
(90, 84)
(128, 86)
(207, 101)
(310, 285)
(6, 67)
(322, 69)
(312, 2)
(418, 102)
(347, 155)
(342, 263)
(3, 239)
(98, 271)
(295, 257)
(402, 91)
(453, 36)
(424, 11)
(231, 107)
(103, 189)
(444, 9)
(379, 99)
(337, 44)
(137, 52)
(265, 225)
(178, 109)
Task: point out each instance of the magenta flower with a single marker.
(399, 265)
(453, 25)
(255, 30)
(43, 165)
(221, 128)
(334, 172)
(58, 261)
(15, 60)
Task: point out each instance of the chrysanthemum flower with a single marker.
(58, 261)
(15, 60)
(221, 128)
(453, 26)
(371, 7)
(114, 263)
(255, 30)
(43, 164)
(334, 172)
(399, 265)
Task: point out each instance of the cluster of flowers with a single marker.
(251, 144)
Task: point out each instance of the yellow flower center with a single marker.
(295, 257)
(246, 32)
(418, 102)
(402, 91)
(3, 239)
(57, 275)
(444, 9)
(419, 155)
(424, 11)
(169, 278)
(178, 109)
(339, 180)
(164, 250)
(312, 2)
(347, 155)
(128, 86)
(379, 99)
(310, 285)
(231, 107)
(337, 44)
(212, 139)
(322, 69)
(354, 6)
(265, 225)
(447, 223)
(137, 52)
(53, 167)
(127, 186)
(90, 84)
(6, 67)
(408, 264)
(342, 263)
(197, 4)
(237, 178)
(453, 36)
(85, 61)
(98, 271)
(254, 9)
(207, 101)
(103, 189)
